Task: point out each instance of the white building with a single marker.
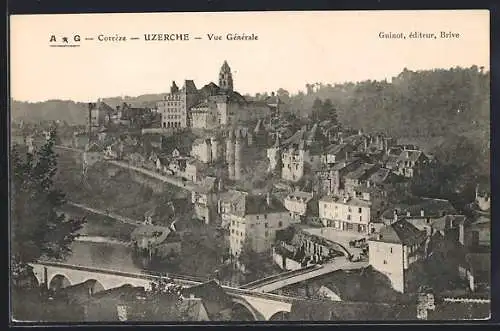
(346, 213)
(294, 158)
(202, 150)
(394, 251)
(298, 203)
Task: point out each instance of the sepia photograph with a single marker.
(324, 166)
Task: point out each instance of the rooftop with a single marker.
(213, 295)
(431, 207)
(400, 232)
(348, 201)
(306, 196)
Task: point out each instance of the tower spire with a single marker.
(225, 77)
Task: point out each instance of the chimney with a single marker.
(395, 215)
(422, 213)
(408, 214)
(268, 198)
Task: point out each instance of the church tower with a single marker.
(225, 77)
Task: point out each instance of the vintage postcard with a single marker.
(244, 166)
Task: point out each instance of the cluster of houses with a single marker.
(332, 184)
(332, 188)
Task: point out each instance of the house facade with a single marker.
(395, 251)
(299, 203)
(346, 213)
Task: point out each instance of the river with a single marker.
(103, 255)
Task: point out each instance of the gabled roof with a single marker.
(158, 233)
(431, 207)
(410, 155)
(119, 292)
(441, 224)
(250, 204)
(362, 172)
(306, 196)
(381, 176)
(94, 147)
(335, 149)
(400, 232)
(395, 151)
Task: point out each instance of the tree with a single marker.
(328, 111)
(162, 302)
(38, 229)
(316, 109)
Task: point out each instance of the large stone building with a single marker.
(255, 218)
(175, 106)
(212, 105)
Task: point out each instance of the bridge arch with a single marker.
(280, 316)
(58, 282)
(95, 286)
(242, 311)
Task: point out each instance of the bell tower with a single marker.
(225, 77)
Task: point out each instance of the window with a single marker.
(360, 218)
(359, 210)
(348, 217)
(385, 262)
(267, 225)
(325, 205)
(257, 216)
(391, 250)
(280, 223)
(265, 216)
(349, 209)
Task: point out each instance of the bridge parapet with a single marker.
(261, 305)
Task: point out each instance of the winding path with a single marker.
(187, 185)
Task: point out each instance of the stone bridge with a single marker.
(261, 306)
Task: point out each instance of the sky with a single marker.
(293, 48)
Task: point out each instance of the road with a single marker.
(164, 178)
(337, 264)
(102, 212)
(187, 185)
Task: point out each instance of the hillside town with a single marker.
(295, 202)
